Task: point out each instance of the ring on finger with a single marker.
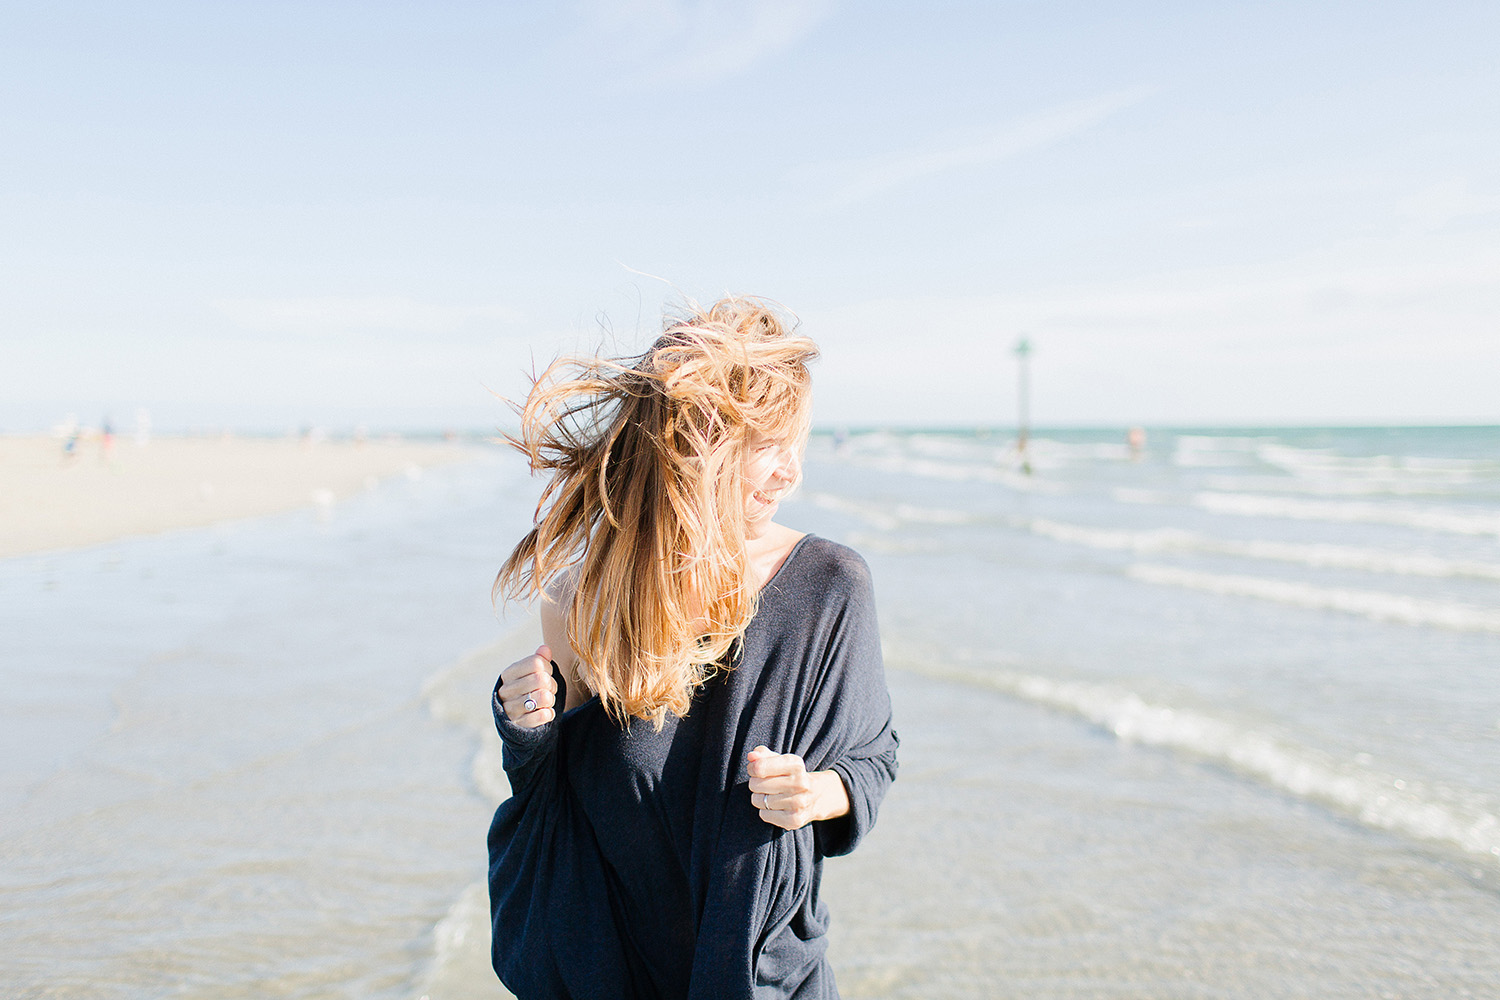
(530, 703)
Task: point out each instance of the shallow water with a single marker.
(223, 779)
(1219, 721)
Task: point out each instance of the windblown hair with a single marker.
(645, 509)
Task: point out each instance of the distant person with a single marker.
(707, 718)
(71, 434)
(106, 441)
(1136, 440)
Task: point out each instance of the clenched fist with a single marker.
(527, 690)
(790, 796)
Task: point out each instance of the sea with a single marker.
(1215, 716)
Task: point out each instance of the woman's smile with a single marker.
(772, 468)
(762, 496)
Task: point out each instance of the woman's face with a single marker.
(772, 466)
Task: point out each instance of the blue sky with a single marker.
(258, 215)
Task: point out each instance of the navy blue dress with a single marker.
(629, 863)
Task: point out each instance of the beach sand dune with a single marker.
(52, 499)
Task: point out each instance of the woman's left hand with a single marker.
(790, 796)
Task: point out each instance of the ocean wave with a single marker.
(1212, 451)
(897, 544)
(963, 459)
(1452, 520)
(1053, 453)
(459, 967)
(962, 472)
(1154, 540)
(1332, 487)
(888, 518)
(1318, 555)
(871, 514)
(459, 695)
(1044, 452)
(944, 456)
(1130, 494)
(1323, 463)
(956, 448)
(1464, 819)
(1377, 605)
(932, 515)
(1324, 470)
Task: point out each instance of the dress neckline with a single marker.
(785, 562)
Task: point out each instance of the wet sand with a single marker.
(52, 500)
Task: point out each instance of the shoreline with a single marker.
(53, 499)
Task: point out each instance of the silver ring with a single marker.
(529, 704)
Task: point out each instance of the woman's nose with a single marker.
(789, 465)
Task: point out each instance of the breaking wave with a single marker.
(1458, 818)
(1453, 520)
(459, 966)
(1373, 604)
(888, 517)
(1318, 555)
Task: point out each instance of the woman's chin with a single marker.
(760, 520)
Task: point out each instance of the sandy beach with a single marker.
(50, 499)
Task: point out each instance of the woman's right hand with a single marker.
(527, 691)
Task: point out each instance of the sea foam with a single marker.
(889, 517)
(1377, 472)
(1459, 818)
(1373, 604)
(459, 695)
(1453, 520)
(460, 963)
(1319, 555)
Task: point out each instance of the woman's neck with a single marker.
(768, 550)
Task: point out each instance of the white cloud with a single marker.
(1436, 206)
(336, 315)
(1400, 329)
(867, 178)
(705, 40)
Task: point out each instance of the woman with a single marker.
(707, 717)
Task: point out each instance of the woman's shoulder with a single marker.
(556, 604)
(557, 598)
(830, 565)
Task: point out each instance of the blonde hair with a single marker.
(646, 502)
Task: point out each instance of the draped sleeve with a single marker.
(856, 738)
(547, 876)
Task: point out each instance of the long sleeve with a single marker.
(526, 751)
(545, 869)
(866, 780)
(858, 712)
